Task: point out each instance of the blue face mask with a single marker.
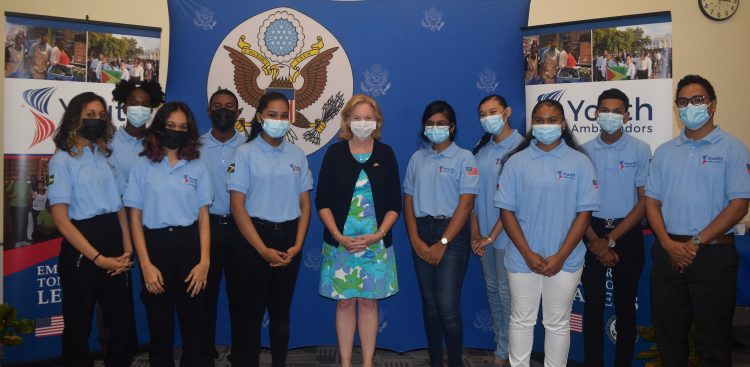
(610, 122)
(694, 116)
(275, 128)
(546, 133)
(436, 134)
(138, 115)
(492, 124)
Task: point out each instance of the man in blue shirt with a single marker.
(614, 238)
(217, 149)
(697, 191)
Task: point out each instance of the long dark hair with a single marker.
(154, 150)
(255, 126)
(444, 108)
(567, 135)
(66, 135)
(487, 136)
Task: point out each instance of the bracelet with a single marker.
(490, 238)
(96, 257)
(381, 233)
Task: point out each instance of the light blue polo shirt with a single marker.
(696, 180)
(272, 178)
(125, 149)
(436, 180)
(621, 167)
(489, 161)
(217, 156)
(85, 182)
(546, 190)
(168, 196)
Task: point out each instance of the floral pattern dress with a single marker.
(366, 274)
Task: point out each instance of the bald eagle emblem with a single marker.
(299, 74)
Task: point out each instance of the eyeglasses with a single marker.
(439, 124)
(694, 100)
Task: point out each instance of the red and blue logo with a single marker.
(562, 175)
(446, 170)
(38, 101)
(626, 164)
(295, 169)
(705, 159)
(190, 180)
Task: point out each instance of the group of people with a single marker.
(638, 65)
(542, 212)
(33, 62)
(543, 67)
(139, 70)
(30, 218)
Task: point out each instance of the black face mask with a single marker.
(173, 139)
(93, 129)
(223, 118)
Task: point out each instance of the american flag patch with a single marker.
(596, 185)
(747, 166)
(472, 171)
(49, 326)
(576, 322)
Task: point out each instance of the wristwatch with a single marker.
(444, 241)
(697, 241)
(610, 242)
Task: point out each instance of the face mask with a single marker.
(222, 119)
(492, 124)
(437, 134)
(138, 115)
(610, 122)
(546, 133)
(93, 129)
(363, 129)
(694, 117)
(275, 128)
(173, 139)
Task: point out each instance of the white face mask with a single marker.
(363, 128)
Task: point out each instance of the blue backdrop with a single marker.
(456, 51)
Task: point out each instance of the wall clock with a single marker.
(718, 9)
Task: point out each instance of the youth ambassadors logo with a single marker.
(709, 159)
(562, 175)
(38, 101)
(283, 50)
(626, 164)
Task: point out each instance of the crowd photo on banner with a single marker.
(160, 228)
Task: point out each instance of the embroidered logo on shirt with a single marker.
(710, 159)
(498, 161)
(295, 169)
(472, 171)
(748, 168)
(447, 170)
(562, 175)
(596, 185)
(51, 179)
(230, 168)
(190, 180)
(626, 164)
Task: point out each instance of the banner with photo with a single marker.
(573, 63)
(48, 62)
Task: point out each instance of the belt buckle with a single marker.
(610, 223)
(224, 219)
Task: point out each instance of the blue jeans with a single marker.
(498, 296)
(440, 287)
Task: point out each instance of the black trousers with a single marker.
(625, 276)
(254, 287)
(224, 233)
(84, 284)
(704, 293)
(174, 251)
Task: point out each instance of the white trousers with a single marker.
(556, 294)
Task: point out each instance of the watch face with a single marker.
(718, 9)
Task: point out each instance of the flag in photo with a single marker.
(576, 322)
(49, 326)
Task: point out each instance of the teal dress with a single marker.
(366, 274)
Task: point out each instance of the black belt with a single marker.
(725, 239)
(607, 223)
(273, 225)
(222, 219)
(436, 217)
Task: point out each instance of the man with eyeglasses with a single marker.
(697, 191)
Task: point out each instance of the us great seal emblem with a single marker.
(286, 51)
